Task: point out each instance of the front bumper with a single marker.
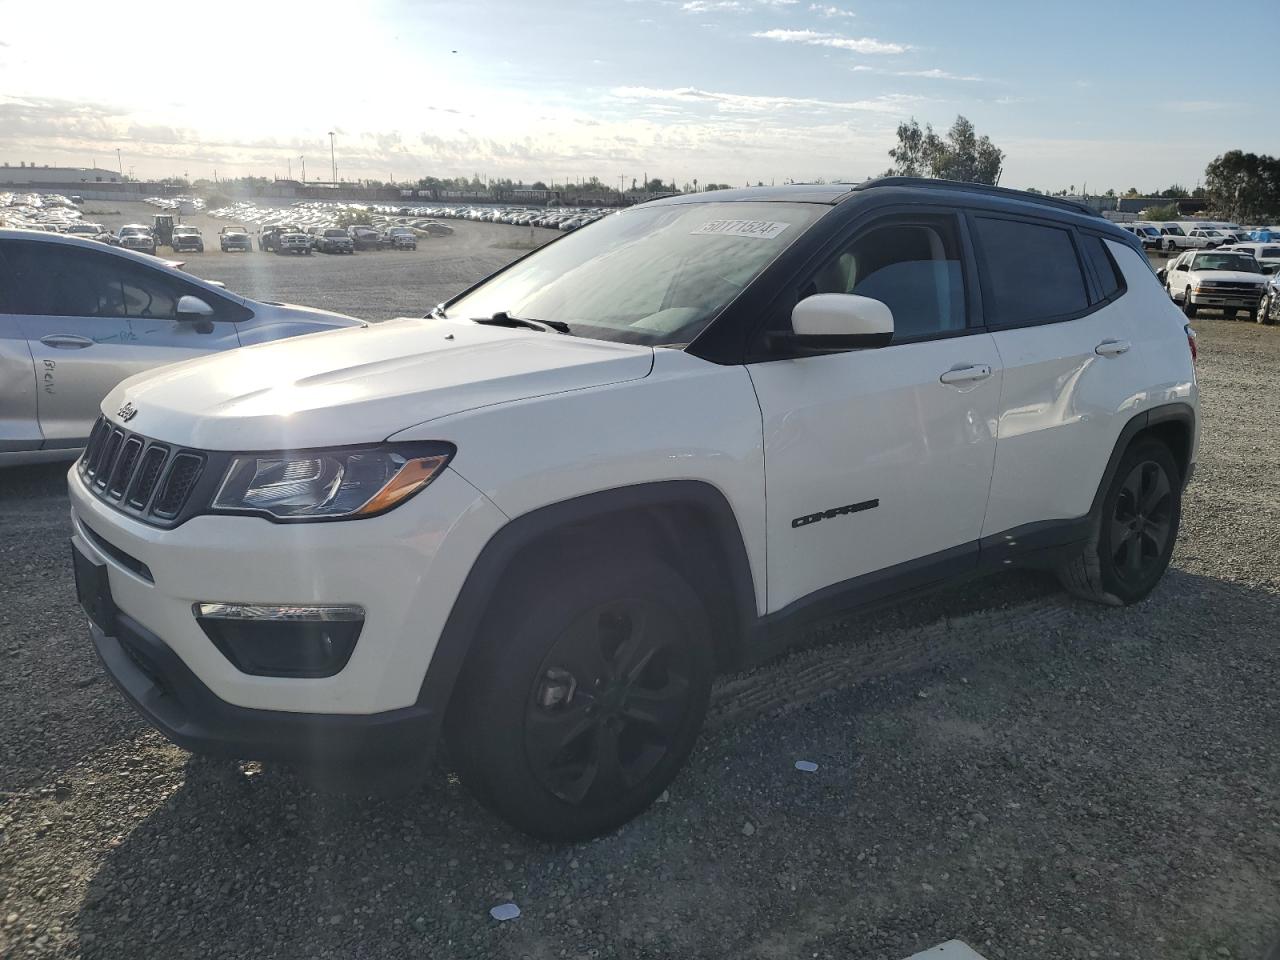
(404, 568)
(1226, 299)
(172, 698)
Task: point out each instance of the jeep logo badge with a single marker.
(127, 412)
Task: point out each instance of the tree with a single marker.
(961, 155)
(1167, 212)
(538, 185)
(1244, 186)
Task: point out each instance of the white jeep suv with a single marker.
(539, 520)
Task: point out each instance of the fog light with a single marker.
(288, 640)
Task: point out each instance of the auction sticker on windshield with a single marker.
(760, 229)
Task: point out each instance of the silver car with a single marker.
(77, 317)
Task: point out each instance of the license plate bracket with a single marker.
(93, 590)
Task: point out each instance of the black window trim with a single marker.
(1091, 290)
(1115, 265)
(239, 311)
(873, 218)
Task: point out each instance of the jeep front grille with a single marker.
(144, 478)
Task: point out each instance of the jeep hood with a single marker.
(362, 384)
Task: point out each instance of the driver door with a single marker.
(878, 462)
(94, 318)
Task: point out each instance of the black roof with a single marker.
(833, 193)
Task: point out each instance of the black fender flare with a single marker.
(1164, 413)
(496, 557)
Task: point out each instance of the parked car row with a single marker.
(1193, 234)
(565, 220)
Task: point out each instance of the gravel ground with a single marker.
(1038, 777)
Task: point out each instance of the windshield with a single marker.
(336, 233)
(653, 275)
(1225, 261)
(133, 231)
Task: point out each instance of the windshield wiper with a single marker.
(504, 319)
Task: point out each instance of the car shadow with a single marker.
(242, 853)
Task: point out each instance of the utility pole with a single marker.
(289, 169)
(119, 163)
(333, 161)
(304, 169)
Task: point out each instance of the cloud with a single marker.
(732, 6)
(745, 103)
(826, 10)
(818, 39)
(711, 6)
(936, 74)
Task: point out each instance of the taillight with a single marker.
(1191, 343)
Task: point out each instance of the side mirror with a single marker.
(835, 322)
(195, 311)
(1162, 274)
(1269, 269)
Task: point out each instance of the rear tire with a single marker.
(1132, 537)
(583, 696)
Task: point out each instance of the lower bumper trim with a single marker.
(175, 701)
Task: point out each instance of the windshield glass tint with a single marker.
(1226, 261)
(655, 275)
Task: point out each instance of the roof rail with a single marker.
(934, 184)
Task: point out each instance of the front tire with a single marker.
(1188, 308)
(583, 696)
(1133, 535)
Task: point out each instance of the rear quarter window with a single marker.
(1105, 271)
(1032, 272)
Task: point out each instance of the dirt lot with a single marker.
(372, 284)
(1001, 764)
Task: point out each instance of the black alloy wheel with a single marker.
(1142, 522)
(1133, 529)
(583, 693)
(608, 702)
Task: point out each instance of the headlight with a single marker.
(342, 484)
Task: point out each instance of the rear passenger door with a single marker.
(1055, 303)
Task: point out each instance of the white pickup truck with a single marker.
(1173, 237)
(1216, 280)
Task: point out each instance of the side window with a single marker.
(1105, 270)
(56, 280)
(1032, 270)
(913, 267)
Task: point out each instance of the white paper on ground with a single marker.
(505, 911)
(951, 950)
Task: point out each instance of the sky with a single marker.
(1098, 94)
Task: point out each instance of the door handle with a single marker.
(966, 374)
(1112, 348)
(66, 341)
